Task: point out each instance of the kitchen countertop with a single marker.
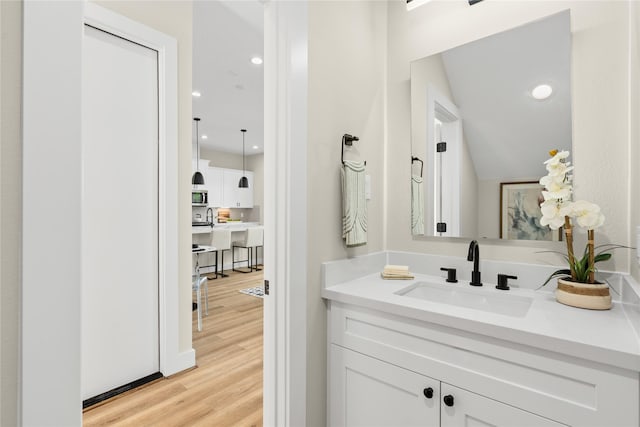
(607, 336)
(233, 226)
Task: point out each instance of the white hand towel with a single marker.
(417, 205)
(354, 204)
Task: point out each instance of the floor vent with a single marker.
(119, 390)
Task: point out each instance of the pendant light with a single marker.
(198, 178)
(244, 182)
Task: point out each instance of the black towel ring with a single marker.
(415, 159)
(348, 140)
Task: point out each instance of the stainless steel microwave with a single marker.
(199, 198)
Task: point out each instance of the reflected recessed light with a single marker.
(255, 147)
(205, 137)
(256, 60)
(412, 4)
(542, 91)
(196, 94)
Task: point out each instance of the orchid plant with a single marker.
(558, 210)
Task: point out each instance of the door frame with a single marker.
(285, 216)
(52, 191)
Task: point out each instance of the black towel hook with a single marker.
(416, 159)
(348, 140)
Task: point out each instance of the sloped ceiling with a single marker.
(509, 133)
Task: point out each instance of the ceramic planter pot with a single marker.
(583, 295)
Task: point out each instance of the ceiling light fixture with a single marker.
(197, 178)
(255, 147)
(205, 137)
(196, 94)
(542, 91)
(244, 182)
(256, 60)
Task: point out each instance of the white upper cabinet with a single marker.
(213, 180)
(224, 192)
(233, 196)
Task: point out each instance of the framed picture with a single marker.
(520, 212)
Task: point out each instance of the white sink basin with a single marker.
(493, 301)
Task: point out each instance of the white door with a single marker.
(463, 408)
(368, 392)
(120, 338)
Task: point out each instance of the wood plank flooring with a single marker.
(225, 389)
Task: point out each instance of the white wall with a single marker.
(221, 159)
(10, 205)
(346, 95)
(600, 108)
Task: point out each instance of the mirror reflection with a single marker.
(484, 116)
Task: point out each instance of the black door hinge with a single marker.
(441, 147)
(266, 287)
(441, 227)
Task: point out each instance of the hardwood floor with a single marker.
(225, 389)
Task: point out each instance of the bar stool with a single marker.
(221, 240)
(253, 237)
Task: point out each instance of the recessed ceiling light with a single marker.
(542, 91)
(256, 60)
(255, 147)
(205, 137)
(196, 94)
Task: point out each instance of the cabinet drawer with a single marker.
(572, 391)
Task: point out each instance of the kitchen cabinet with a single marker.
(213, 181)
(380, 364)
(232, 195)
(381, 394)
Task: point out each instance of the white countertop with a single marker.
(602, 336)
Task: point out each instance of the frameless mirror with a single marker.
(480, 134)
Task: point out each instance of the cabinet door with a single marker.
(230, 188)
(364, 391)
(214, 181)
(245, 195)
(234, 196)
(470, 409)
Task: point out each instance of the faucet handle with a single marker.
(451, 274)
(503, 281)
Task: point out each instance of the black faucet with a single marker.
(474, 255)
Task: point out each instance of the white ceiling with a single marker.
(226, 35)
(509, 133)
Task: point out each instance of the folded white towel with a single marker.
(417, 205)
(354, 204)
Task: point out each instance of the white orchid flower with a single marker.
(556, 188)
(553, 213)
(587, 214)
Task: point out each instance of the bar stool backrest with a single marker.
(254, 237)
(221, 239)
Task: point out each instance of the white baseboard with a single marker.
(183, 361)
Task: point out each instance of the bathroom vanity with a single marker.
(428, 352)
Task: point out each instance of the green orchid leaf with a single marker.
(561, 272)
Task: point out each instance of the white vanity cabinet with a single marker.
(380, 365)
(382, 394)
(379, 393)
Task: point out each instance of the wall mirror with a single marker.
(480, 136)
